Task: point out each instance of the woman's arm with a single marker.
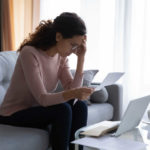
(80, 93)
(66, 78)
(80, 52)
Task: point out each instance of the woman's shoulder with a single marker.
(28, 53)
(29, 49)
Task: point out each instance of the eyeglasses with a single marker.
(74, 47)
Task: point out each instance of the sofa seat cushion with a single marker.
(20, 138)
(99, 112)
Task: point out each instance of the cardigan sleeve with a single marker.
(66, 78)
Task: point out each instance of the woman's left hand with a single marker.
(81, 50)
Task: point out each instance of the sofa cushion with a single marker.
(99, 112)
(7, 64)
(20, 138)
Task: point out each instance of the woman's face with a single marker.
(65, 47)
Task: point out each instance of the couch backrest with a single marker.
(7, 64)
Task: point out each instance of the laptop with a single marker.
(132, 115)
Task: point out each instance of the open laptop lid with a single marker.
(133, 115)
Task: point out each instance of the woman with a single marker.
(30, 100)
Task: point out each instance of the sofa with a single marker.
(22, 138)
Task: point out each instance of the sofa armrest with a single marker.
(115, 97)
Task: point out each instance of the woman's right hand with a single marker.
(81, 93)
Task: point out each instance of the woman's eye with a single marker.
(74, 46)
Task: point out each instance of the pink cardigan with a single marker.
(34, 80)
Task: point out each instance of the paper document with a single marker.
(110, 143)
(110, 79)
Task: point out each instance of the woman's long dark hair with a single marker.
(44, 37)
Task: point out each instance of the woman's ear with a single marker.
(58, 36)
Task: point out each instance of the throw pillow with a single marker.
(100, 96)
(88, 76)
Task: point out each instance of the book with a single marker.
(101, 128)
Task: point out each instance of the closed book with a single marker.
(101, 128)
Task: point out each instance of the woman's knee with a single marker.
(65, 111)
(60, 111)
(81, 105)
(64, 115)
(66, 108)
